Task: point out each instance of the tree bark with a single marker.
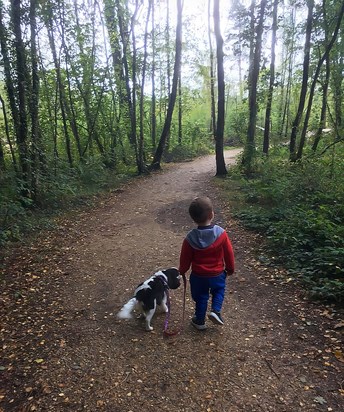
(34, 103)
(141, 168)
(266, 141)
(220, 160)
(21, 76)
(9, 87)
(153, 105)
(172, 98)
(61, 90)
(253, 81)
(212, 79)
(180, 111)
(305, 75)
(322, 120)
(8, 137)
(124, 38)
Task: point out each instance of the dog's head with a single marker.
(173, 277)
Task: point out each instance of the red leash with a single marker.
(175, 332)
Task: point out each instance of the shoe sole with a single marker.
(198, 327)
(215, 319)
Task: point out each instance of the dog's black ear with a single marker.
(173, 277)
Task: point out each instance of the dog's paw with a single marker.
(149, 328)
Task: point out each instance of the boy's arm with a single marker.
(185, 257)
(228, 256)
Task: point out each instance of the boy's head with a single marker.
(201, 210)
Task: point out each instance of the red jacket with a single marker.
(208, 251)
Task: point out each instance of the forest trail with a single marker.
(64, 350)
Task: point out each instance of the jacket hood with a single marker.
(203, 237)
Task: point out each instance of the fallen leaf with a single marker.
(39, 360)
(339, 355)
(320, 399)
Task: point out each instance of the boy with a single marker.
(209, 252)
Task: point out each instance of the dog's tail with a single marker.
(125, 312)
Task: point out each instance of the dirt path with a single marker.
(64, 350)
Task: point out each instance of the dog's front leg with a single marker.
(149, 316)
(164, 306)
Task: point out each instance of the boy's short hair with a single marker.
(200, 208)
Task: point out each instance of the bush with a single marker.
(300, 208)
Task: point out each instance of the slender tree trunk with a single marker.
(123, 34)
(36, 146)
(314, 82)
(9, 89)
(7, 131)
(337, 69)
(22, 76)
(305, 75)
(168, 66)
(61, 90)
(168, 47)
(266, 141)
(180, 111)
(253, 81)
(172, 99)
(153, 105)
(220, 160)
(2, 157)
(322, 121)
(134, 87)
(141, 167)
(212, 79)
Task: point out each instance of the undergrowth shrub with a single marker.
(300, 208)
(68, 188)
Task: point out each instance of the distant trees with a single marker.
(91, 86)
(173, 95)
(273, 91)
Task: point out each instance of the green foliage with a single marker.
(68, 188)
(236, 122)
(300, 208)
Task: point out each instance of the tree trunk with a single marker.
(9, 88)
(253, 81)
(141, 167)
(21, 76)
(305, 75)
(61, 90)
(168, 66)
(337, 69)
(123, 34)
(212, 79)
(153, 105)
(34, 103)
(322, 121)
(314, 82)
(220, 160)
(180, 111)
(172, 98)
(266, 141)
(8, 137)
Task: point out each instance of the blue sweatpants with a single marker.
(201, 288)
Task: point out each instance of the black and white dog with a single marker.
(150, 294)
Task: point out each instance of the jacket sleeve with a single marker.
(228, 256)
(185, 257)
